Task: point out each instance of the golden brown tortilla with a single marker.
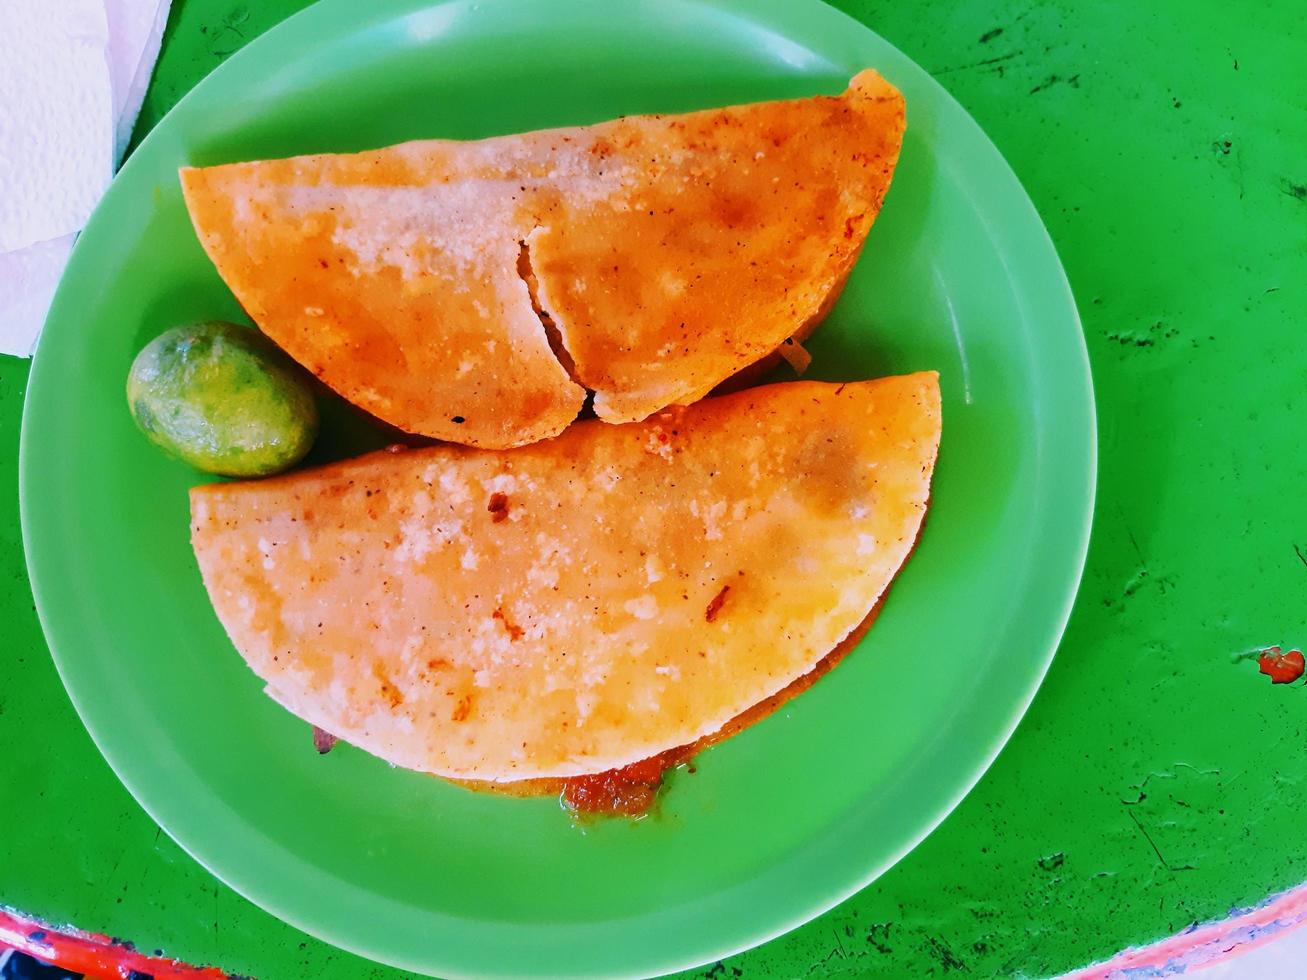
(579, 604)
(664, 253)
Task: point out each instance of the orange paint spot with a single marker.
(1281, 668)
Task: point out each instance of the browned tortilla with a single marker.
(664, 253)
(579, 604)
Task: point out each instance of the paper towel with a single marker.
(56, 144)
(72, 77)
(28, 277)
(135, 30)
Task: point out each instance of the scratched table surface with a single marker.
(1158, 780)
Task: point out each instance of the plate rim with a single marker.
(773, 12)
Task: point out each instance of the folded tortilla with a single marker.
(582, 603)
(473, 291)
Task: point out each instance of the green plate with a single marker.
(777, 824)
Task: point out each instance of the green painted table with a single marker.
(1158, 779)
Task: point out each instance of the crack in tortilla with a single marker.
(526, 273)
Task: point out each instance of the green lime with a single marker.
(223, 398)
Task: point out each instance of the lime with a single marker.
(223, 398)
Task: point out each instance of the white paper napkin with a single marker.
(72, 77)
(135, 30)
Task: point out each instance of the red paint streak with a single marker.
(1244, 931)
(1281, 668)
(96, 956)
